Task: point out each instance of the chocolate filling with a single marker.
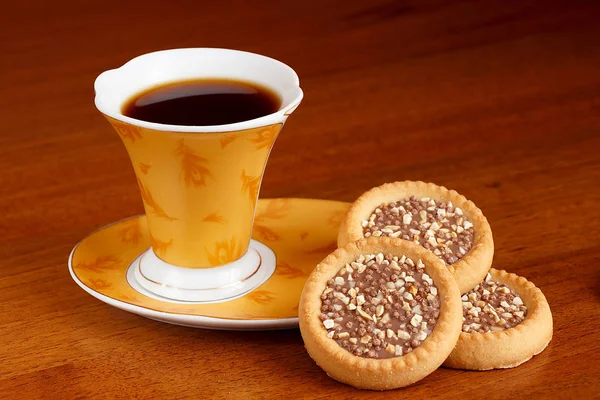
(380, 306)
(436, 225)
(491, 306)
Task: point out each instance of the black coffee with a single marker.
(202, 102)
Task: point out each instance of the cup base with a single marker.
(156, 278)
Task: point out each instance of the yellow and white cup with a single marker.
(199, 184)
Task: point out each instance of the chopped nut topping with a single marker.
(398, 350)
(403, 335)
(491, 306)
(389, 310)
(436, 225)
(517, 301)
(416, 320)
(328, 323)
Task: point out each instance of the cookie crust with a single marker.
(470, 269)
(511, 347)
(390, 373)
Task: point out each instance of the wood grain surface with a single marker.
(498, 100)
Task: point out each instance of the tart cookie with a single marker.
(440, 220)
(380, 313)
(506, 321)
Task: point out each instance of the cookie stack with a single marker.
(411, 288)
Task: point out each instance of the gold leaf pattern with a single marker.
(335, 218)
(131, 233)
(323, 249)
(225, 252)
(151, 203)
(160, 247)
(214, 217)
(226, 139)
(250, 185)
(285, 269)
(127, 131)
(265, 233)
(129, 299)
(264, 139)
(98, 284)
(193, 169)
(99, 264)
(275, 209)
(260, 296)
(144, 168)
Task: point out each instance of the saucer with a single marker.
(301, 232)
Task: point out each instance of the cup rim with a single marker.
(278, 116)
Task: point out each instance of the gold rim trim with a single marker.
(213, 288)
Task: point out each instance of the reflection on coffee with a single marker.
(202, 102)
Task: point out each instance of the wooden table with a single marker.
(498, 100)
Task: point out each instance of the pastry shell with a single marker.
(470, 269)
(390, 373)
(511, 347)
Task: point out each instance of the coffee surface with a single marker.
(202, 103)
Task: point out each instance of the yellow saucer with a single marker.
(301, 232)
